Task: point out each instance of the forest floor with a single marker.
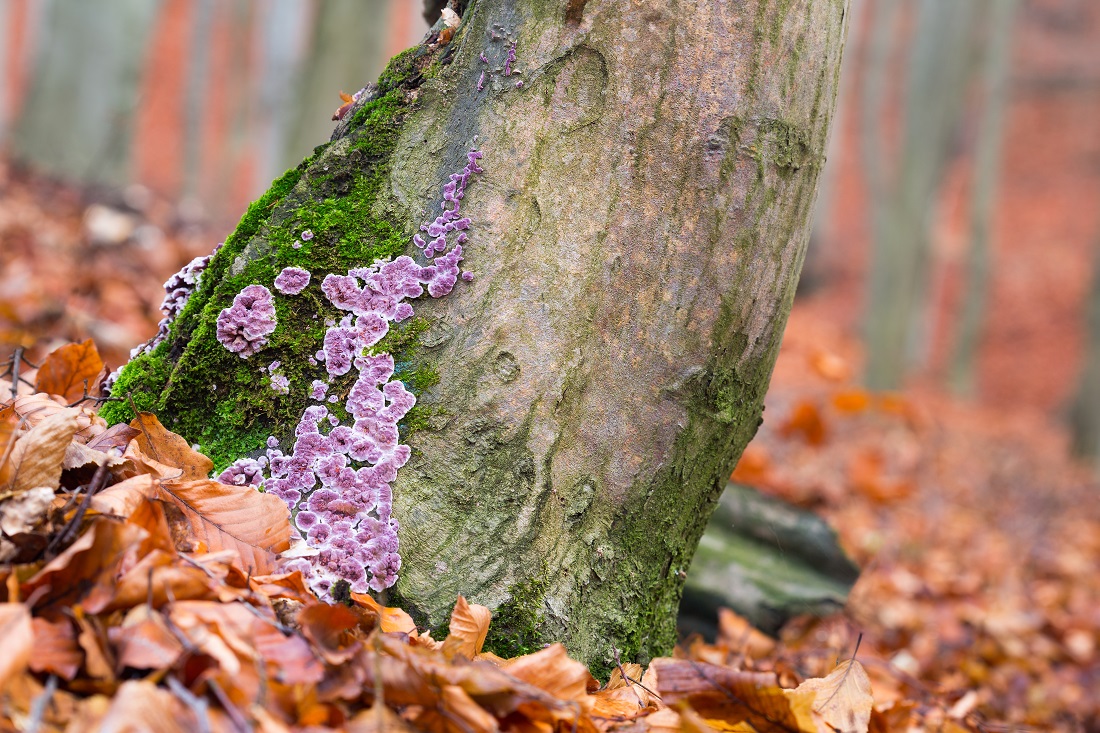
(979, 603)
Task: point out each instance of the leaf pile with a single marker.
(978, 536)
(137, 593)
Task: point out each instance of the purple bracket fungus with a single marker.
(338, 483)
(280, 384)
(511, 59)
(243, 328)
(178, 290)
(292, 280)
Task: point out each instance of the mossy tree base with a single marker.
(637, 237)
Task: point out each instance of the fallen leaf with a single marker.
(55, 648)
(144, 640)
(170, 449)
(142, 706)
(78, 454)
(37, 456)
(16, 639)
(390, 619)
(98, 660)
(805, 421)
(33, 409)
(736, 633)
(852, 401)
(551, 669)
(378, 719)
(328, 627)
(739, 700)
(223, 517)
(830, 366)
(70, 370)
(289, 657)
(88, 564)
(468, 629)
(842, 699)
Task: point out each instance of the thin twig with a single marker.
(98, 480)
(11, 369)
(231, 710)
(197, 704)
(38, 707)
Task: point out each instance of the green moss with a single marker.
(514, 630)
(224, 403)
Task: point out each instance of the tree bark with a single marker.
(637, 237)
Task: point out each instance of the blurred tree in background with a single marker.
(209, 99)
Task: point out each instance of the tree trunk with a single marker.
(88, 54)
(935, 91)
(987, 172)
(636, 240)
(1084, 417)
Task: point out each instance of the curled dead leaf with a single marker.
(170, 449)
(468, 629)
(71, 371)
(37, 456)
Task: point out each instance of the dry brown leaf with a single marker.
(69, 370)
(551, 669)
(116, 436)
(223, 517)
(329, 627)
(738, 634)
(378, 719)
(25, 511)
(622, 697)
(469, 626)
(741, 701)
(283, 585)
(33, 409)
(842, 699)
(55, 648)
(88, 566)
(142, 706)
(78, 454)
(16, 639)
(165, 447)
(98, 660)
(158, 577)
(390, 619)
(37, 456)
(144, 640)
(290, 660)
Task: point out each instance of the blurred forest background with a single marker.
(942, 363)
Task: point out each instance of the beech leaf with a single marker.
(166, 447)
(66, 369)
(842, 699)
(36, 458)
(256, 526)
(468, 629)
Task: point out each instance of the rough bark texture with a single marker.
(637, 239)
